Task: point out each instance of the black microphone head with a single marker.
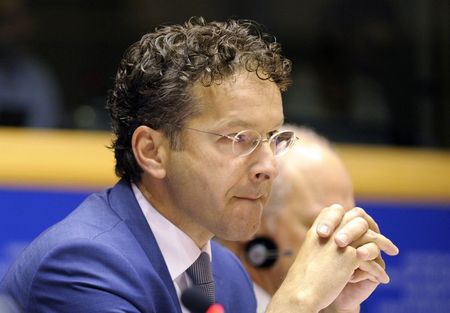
(195, 300)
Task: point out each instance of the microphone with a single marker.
(197, 302)
(262, 252)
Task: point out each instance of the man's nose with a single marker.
(265, 165)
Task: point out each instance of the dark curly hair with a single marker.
(154, 77)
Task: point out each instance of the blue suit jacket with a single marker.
(103, 257)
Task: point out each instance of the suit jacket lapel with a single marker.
(123, 202)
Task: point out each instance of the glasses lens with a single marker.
(245, 142)
(282, 141)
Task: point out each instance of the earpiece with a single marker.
(262, 252)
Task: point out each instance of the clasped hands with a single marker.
(338, 266)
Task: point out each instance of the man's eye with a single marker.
(240, 137)
(270, 134)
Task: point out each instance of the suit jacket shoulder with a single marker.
(104, 258)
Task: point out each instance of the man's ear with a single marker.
(149, 149)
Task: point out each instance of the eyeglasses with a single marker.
(245, 142)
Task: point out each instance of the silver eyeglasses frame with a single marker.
(259, 140)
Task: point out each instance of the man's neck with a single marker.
(164, 204)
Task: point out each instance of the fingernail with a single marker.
(393, 251)
(342, 238)
(324, 229)
(384, 279)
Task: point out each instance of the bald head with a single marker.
(312, 176)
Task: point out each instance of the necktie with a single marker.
(201, 276)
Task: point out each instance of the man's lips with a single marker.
(256, 197)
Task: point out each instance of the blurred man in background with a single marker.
(29, 93)
(312, 177)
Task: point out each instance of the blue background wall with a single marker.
(420, 274)
(25, 213)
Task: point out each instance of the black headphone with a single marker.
(262, 252)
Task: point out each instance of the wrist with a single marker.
(283, 302)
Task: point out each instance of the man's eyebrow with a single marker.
(233, 123)
(242, 123)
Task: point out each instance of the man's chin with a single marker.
(243, 235)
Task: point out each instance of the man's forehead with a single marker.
(245, 101)
(239, 120)
(233, 86)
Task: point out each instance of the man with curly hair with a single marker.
(196, 111)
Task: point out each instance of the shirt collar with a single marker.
(262, 298)
(178, 249)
